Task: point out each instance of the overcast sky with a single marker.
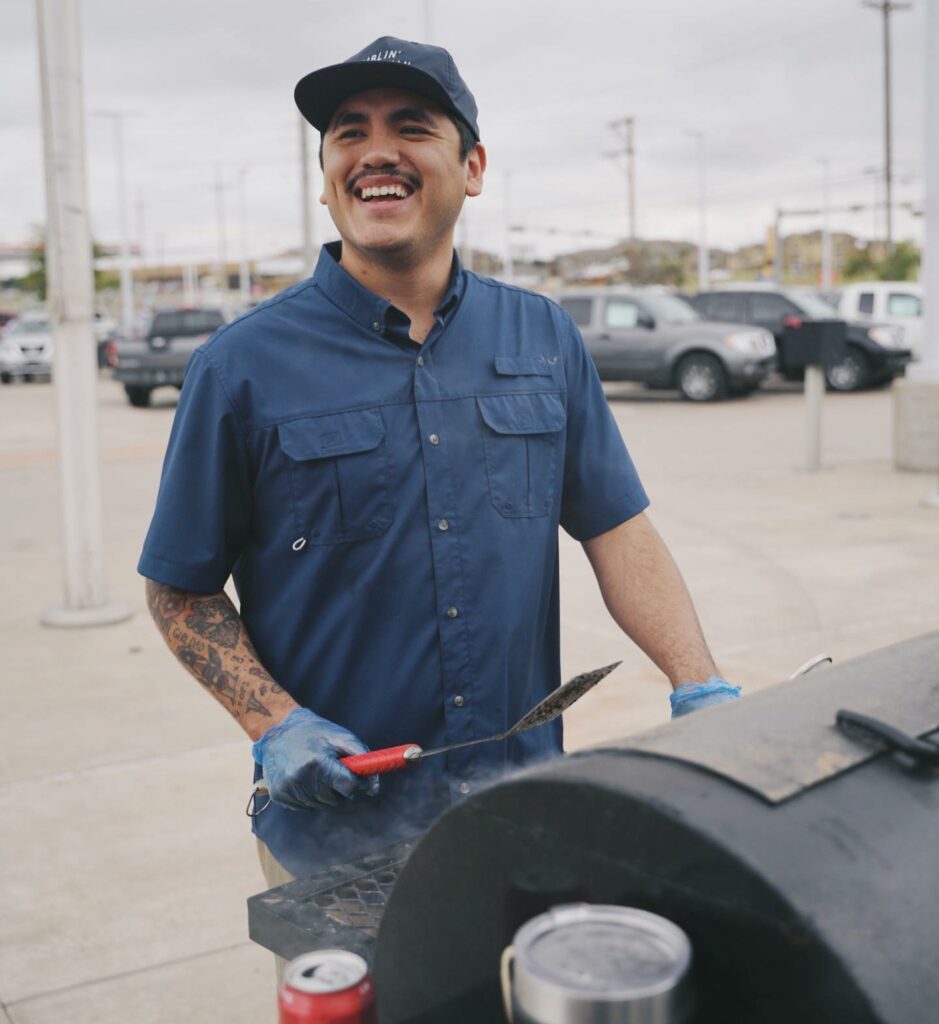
(207, 87)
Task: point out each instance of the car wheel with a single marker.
(701, 378)
(139, 397)
(849, 374)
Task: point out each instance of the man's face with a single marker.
(393, 179)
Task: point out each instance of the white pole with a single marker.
(826, 232)
(71, 304)
(244, 276)
(814, 392)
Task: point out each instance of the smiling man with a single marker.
(380, 457)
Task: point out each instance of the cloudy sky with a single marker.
(207, 92)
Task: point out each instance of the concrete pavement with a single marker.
(126, 856)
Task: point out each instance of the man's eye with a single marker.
(350, 133)
(414, 129)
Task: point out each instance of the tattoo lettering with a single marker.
(215, 619)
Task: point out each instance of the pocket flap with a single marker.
(523, 366)
(534, 413)
(341, 433)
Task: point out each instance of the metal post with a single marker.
(814, 392)
(71, 305)
(305, 204)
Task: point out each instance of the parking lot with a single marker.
(127, 855)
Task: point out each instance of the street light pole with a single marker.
(887, 7)
(127, 281)
(71, 306)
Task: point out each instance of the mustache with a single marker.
(387, 172)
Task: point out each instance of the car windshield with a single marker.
(670, 309)
(186, 322)
(811, 304)
(30, 327)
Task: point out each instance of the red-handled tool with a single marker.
(393, 759)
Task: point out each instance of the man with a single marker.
(381, 456)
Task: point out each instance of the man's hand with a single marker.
(691, 697)
(300, 760)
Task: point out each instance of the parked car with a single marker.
(875, 352)
(26, 348)
(162, 354)
(658, 339)
(898, 303)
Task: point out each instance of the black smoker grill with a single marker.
(802, 862)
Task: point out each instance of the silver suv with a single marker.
(658, 339)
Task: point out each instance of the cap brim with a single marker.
(319, 93)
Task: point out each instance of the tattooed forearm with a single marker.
(207, 635)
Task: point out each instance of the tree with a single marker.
(901, 264)
(35, 278)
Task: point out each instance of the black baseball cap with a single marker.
(389, 62)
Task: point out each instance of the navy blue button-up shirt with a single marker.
(389, 513)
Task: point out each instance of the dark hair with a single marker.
(467, 139)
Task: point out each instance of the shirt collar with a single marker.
(365, 307)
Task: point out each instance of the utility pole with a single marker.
(625, 128)
(220, 223)
(887, 7)
(127, 281)
(305, 204)
(826, 233)
(244, 274)
(71, 306)
(704, 268)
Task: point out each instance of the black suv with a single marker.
(875, 353)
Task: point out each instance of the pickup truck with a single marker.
(898, 303)
(656, 338)
(162, 354)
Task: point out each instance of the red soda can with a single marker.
(329, 986)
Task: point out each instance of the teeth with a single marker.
(384, 190)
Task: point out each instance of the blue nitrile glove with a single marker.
(693, 696)
(300, 760)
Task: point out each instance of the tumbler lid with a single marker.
(620, 963)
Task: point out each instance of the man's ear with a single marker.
(476, 168)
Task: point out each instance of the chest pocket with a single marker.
(522, 438)
(339, 468)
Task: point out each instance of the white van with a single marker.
(888, 302)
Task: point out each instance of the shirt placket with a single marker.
(453, 603)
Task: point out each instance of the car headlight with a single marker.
(751, 343)
(888, 337)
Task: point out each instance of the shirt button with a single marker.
(464, 788)
(434, 439)
(444, 525)
(458, 701)
(452, 613)
(376, 326)
(420, 360)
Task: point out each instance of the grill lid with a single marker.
(779, 754)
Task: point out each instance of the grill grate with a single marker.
(340, 908)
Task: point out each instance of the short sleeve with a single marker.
(601, 485)
(203, 506)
